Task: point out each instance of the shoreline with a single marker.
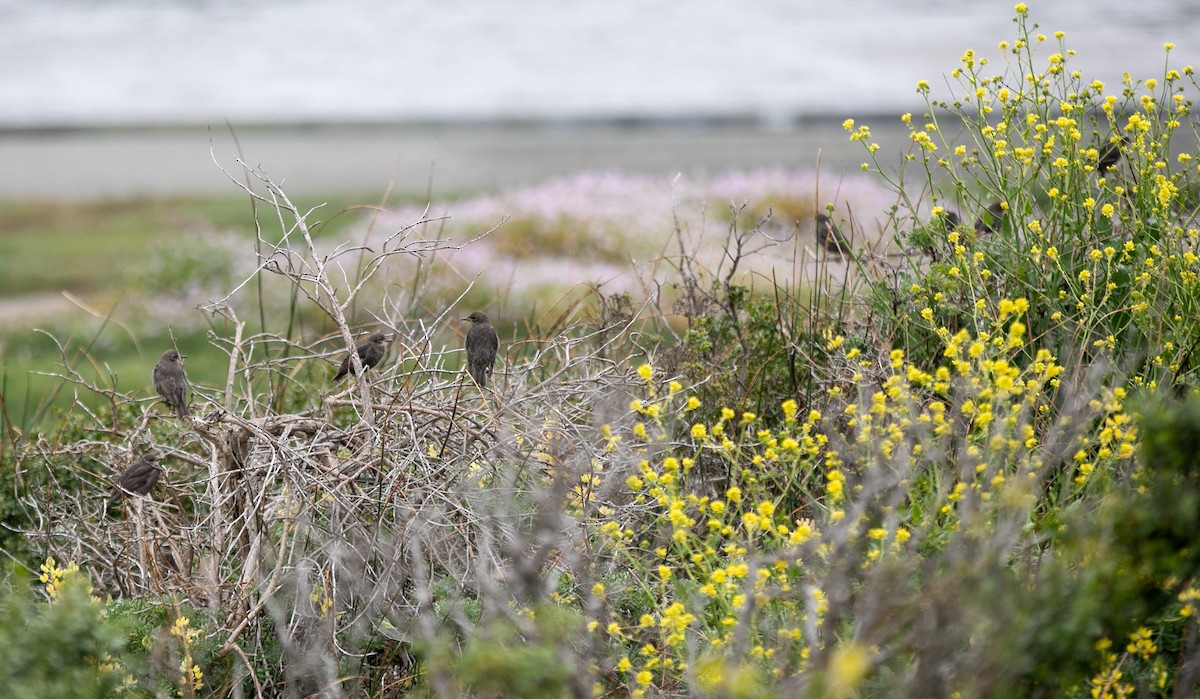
(107, 162)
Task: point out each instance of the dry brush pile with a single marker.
(369, 515)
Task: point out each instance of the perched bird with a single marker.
(829, 237)
(1110, 155)
(991, 218)
(139, 478)
(936, 231)
(370, 353)
(170, 381)
(482, 345)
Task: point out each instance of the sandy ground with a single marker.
(131, 162)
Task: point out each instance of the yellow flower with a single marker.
(699, 431)
(1021, 8)
(848, 666)
(789, 409)
(692, 403)
(645, 371)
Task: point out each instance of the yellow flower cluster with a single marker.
(736, 510)
(191, 676)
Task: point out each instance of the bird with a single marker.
(938, 228)
(829, 237)
(482, 345)
(991, 218)
(1110, 155)
(139, 478)
(370, 353)
(170, 381)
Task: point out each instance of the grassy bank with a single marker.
(95, 246)
(102, 253)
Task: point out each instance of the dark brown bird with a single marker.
(370, 353)
(938, 227)
(830, 237)
(482, 345)
(991, 218)
(1110, 155)
(170, 381)
(139, 478)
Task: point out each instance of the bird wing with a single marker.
(174, 387)
(171, 383)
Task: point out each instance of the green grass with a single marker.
(114, 360)
(92, 248)
(46, 246)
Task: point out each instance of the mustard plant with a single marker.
(1101, 249)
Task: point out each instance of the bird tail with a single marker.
(182, 410)
(111, 508)
(480, 376)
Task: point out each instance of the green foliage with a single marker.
(170, 268)
(738, 354)
(64, 648)
(156, 643)
(526, 657)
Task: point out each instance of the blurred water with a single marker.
(95, 62)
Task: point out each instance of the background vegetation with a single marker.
(959, 462)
